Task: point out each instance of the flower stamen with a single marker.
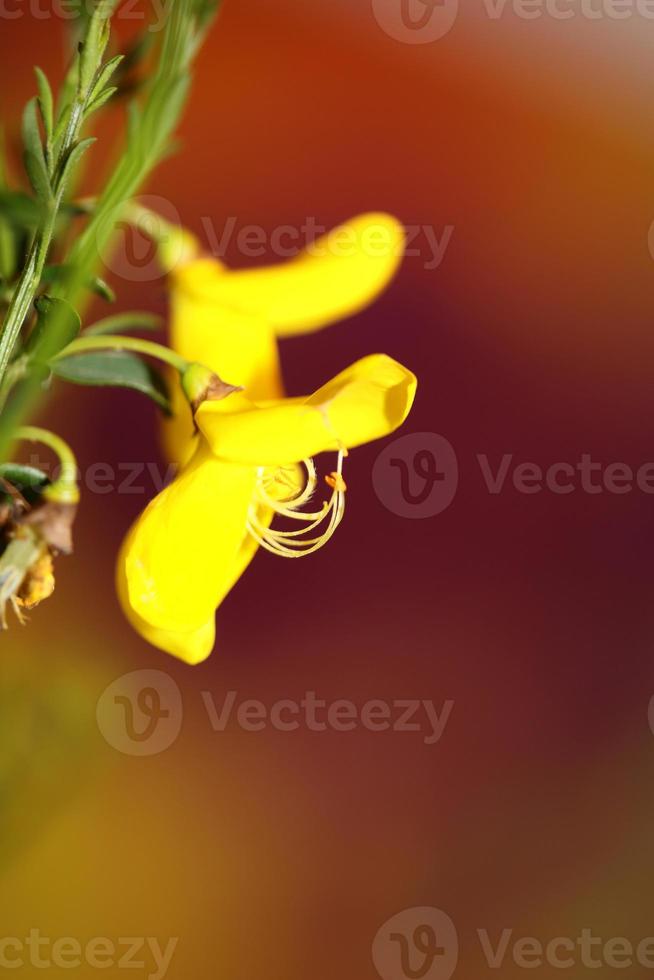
(295, 544)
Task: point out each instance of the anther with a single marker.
(336, 482)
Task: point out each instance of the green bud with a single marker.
(201, 384)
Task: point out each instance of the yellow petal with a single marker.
(192, 646)
(229, 320)
(368, 400)
(238, 346)
(336, 276)
(183, 553)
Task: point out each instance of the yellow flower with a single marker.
(195, 539)
(230, 320)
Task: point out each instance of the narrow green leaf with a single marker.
(73, 158)
(102, 289)
(102, 99)
(93, 47)
(23, 477)
(62, 122)
(134, 119)
(117, 369)
(63, 274)
(57, 325)
(124, 322)
(37, 173)
(46, 104)
(105, 76)
(55, 274)
(33, 157)
(30, 128)
(8, 250)
(19, 209)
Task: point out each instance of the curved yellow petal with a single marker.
(240, 347)
(334, 277)
(230, 320)
(177, 430)
(236, 343)
(368, 400)
(183, 553)
(193, 647)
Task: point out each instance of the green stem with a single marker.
(110, 342)
(25, 292)
(64, 489)
(149, 133)
(87, 66)
(15, 371)
(30, 279)
(149, 139)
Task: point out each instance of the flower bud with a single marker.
(201, 384)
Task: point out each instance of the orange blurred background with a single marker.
(281, 854)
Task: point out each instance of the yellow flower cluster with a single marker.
(248, 457)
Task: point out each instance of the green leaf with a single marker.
(62, 123)
(63, 274)
(8, 250)
(23, 477)
(46, 104)
(73, 158)
(93, 46)
(33, 157)
(124, 322)
(105, 76)
(57, 325)
(19, 209)
(102, 99)
(117, 369)
(38, 175)
(30, 128)
(102, 289)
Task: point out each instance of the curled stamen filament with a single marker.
(294, 544)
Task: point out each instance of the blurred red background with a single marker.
(275, 854)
